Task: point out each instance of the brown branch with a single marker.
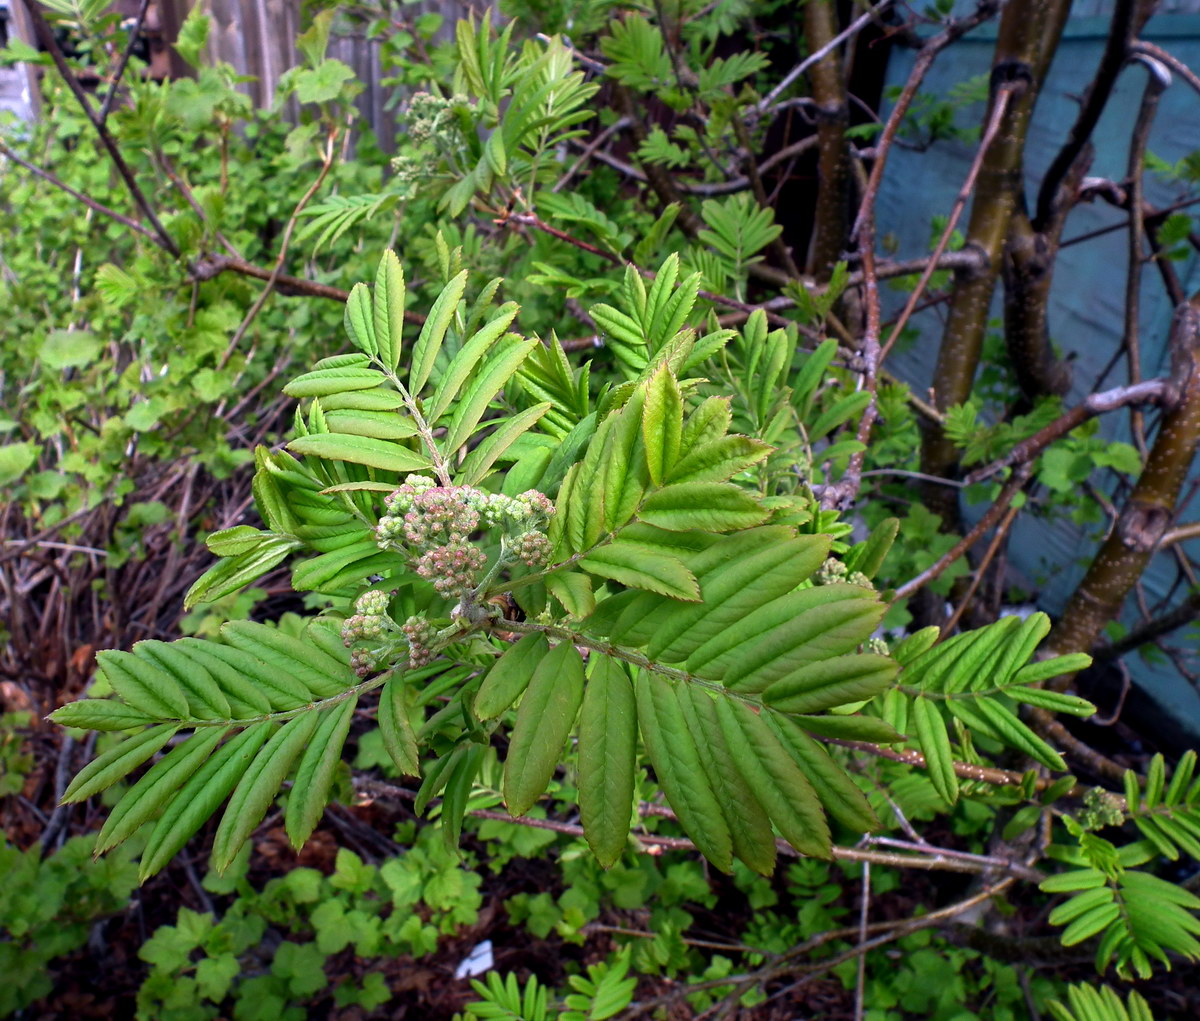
(1151, 391)
(989, 520)
(134, 31)
(1123, 27)
(1148, 512)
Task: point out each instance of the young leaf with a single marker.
(388, 313)
(662, 424)
(830, 683)
(143, 685)
(429, 343)
(642, 567)
(680, 772)
(509, 676)
(314, 776)
(360, 450)
(607, 746)
(117, 763)
(359, 325)
(258, 787)
(544, 721)
(395, 727)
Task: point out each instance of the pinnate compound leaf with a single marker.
(200, 797)
(388, 310)
(544, 721)
(643, 567)
(680, 772)
(711, 506)
(395, 726)
(776, 780)
(607, 751)
(314, 776)
(259, 785)
(157, 787)
(117, 763)
(366, 450)
(509, 676)
(935, 746)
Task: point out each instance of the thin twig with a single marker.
(134, 31)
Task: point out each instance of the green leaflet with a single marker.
(99, 714)
(324, 382)
(786, 634)
(1034, 673)
(830, 683)
(509, 676)
(380, 425)
(838, 793)
(851, 728)
(574, 591)
(623, 473)
(544, 721)
(205, 697)
(375, 400)
(775, 778)
(1017, 735)
(935, 746)
(395, 727)
(712, 506)
(479, 462)
(359, 325)
(429, 342)
(731, 593)
(388, 310)
(607, 754)
(319, 672)
(258, 787)
(143, 685)
(463, 363)
(483, 390)
(680, 772)
(235, 672)
(199, 798)
(662, 424)
(867, 557)
(234, 572)
(117, 763)
(314, 776)
(157, 787)
(1054, 701)
(749, 827)
(374, 453)
(718, 460)
(642, 567)
(457, 791)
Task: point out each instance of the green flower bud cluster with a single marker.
(533, 549)
(834, 572)
(420, 635)
(877, 646)
(1101, 808)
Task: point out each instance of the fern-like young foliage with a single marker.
(1086, 1003)
(513, 562)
